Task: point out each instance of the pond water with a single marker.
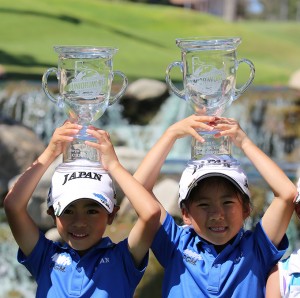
(270, 116)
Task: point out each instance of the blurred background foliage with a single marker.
(145, 33)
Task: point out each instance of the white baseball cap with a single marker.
(71, 183)
(210, 166)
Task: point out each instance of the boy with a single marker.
(212, 255)
(82, 204)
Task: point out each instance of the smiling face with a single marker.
(215, 210)
(83, 223)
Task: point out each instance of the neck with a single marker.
(219, 248)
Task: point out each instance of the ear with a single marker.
(246, 211)
(185, 216)
(50, 212)
(112, 215)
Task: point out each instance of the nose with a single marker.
(79, 220)
(216, 212)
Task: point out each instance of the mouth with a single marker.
(78, 236)
(218, 229)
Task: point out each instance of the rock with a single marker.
(143, 99)
(19, 147)
(37, 206)
(53, 235)
(294, 81)
(129, 157)
(144, 89)
(166, 192)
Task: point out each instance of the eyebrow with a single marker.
(86, 205)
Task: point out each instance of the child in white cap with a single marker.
(284, 279)
(82, 204)
(212, 255)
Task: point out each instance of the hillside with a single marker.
(144, 34)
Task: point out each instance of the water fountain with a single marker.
(267, 115)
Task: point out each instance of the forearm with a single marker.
(21, 192)
(142, 201)
(149, 169)
(277, 180)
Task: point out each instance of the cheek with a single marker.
(60, 223)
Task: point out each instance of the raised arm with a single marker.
(278, 215)
(146, 207)
(149, 169)
(273, 284)
(25, 231)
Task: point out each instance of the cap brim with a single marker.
(63, 202)
(214, 174)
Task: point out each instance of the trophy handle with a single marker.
(241, 90)
(54, 99)
(179, 93)
(114, 98)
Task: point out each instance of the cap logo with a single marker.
(57, 209)
(77, 175)
(102, 199)
(246, 183)
(215, 162)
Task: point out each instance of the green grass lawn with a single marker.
(144, 34)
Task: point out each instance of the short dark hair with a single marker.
(216, 180)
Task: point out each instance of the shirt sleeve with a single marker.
(37, 259)
(269, 253)
(166, 240)
(133, 273)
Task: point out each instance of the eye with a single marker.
(202, 204)
(92, 211)
(68, 211)
(229, 201)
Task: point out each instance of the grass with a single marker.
(145, 35)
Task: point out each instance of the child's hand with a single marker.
(230, 127)
(62, 135)
(106, 149)
(190, 125)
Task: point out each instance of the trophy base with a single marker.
(81, 164)
(78, 150)
(211, 146)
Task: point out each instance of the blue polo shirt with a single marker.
(194, 269)
(106, 270)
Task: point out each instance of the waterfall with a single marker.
(255, 115)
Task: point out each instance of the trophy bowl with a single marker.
(209, 66)
(85, 75)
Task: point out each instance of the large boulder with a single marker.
(143, 99)
(19, 147)
(166, 191)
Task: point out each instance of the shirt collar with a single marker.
(201, 243)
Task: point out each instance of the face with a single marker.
(82, 224)
(216, 212)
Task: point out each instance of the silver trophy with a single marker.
(209, 67)
(85, 75)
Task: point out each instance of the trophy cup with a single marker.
(209, 67)
(85, 75)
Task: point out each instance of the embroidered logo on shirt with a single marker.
(104, 260)
(191, 256)
(61, 261)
